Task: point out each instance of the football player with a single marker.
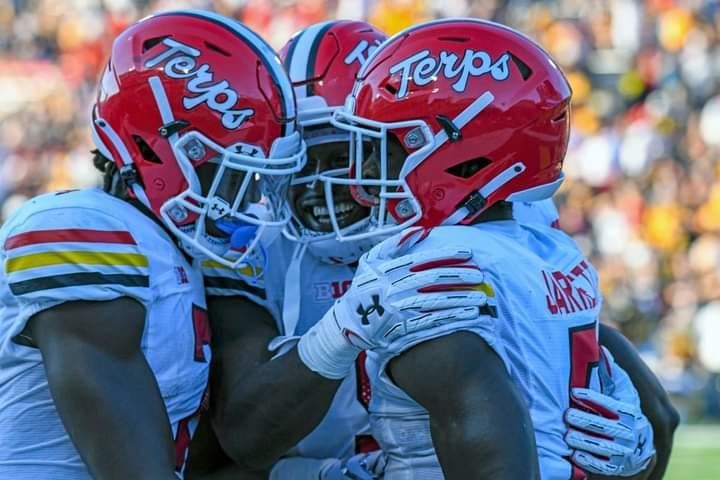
(322, 61)
(591, 454)
(450, 121)
(277, 403)
(104, 345)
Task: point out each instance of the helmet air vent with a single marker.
(560, 117)
(525, 71)
(468, 168)
(217, 49)
(151, 42)
(454, 39)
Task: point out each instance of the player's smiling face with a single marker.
(307, 199)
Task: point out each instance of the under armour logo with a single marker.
(218, 209)
(641, 445)
(366, 312)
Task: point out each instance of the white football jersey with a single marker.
(345, 428)
(543, 306)
(87, 245)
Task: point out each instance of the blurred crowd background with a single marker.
(643, 189)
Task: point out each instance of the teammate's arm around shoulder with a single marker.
(479, 422)
(103, 388)
(259, 408)
(654, 401)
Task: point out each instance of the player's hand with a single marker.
(611, 437)
(395, 297)
(391, 297)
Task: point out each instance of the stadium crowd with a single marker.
(643, 189)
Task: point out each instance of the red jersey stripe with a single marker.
(69, 235)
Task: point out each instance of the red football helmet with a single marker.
(322, 61)
(199, 116)
(447, 118)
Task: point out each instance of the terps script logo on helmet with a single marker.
(181, 63)
(422, 68)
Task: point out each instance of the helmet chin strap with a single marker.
(128, 169)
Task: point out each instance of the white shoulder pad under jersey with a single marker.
(544, 303)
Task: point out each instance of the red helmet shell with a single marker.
(324, 58)
(436, 71)
(207, 73)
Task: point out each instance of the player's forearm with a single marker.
(477, 446)
(115, 417)
(480, 424)
(270, 409)
(654, 401)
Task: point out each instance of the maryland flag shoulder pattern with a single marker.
(224, 281)
(47, 259)
(73, 254)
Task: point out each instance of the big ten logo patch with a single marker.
(328, 291)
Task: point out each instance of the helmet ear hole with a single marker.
(148, 154)
(469, 168)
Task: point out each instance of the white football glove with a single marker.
(609, 432)
(391, 297)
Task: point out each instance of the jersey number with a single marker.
(584, 357)
(584, 354)
(201, 329)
